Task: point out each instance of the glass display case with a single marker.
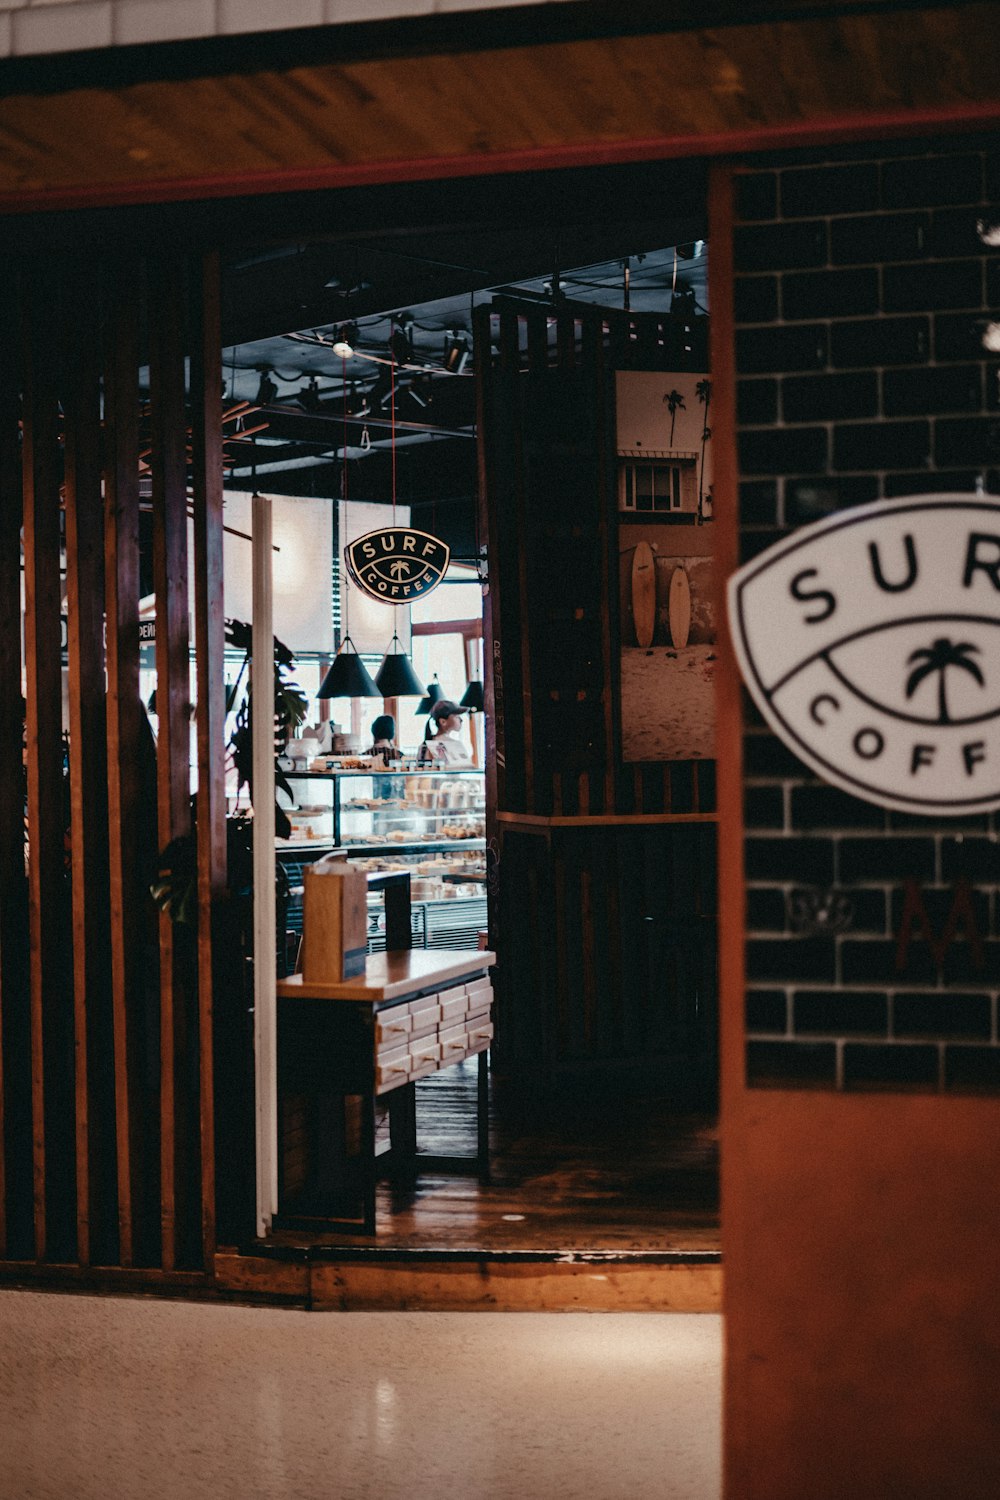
(431, 823)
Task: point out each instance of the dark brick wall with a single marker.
(863, 288)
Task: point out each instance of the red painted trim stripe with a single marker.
(832, 130)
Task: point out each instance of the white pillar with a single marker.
(265, 935)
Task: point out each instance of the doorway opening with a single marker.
(520, 369)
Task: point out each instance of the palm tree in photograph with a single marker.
(674, 403)
(939, 658)
(703, 390)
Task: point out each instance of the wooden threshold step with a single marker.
(335, 1278)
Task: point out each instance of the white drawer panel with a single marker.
(393, 1027)
(423, 1070)
(425, 1023)
(392, 1068)
(480, 993)
(425, 1050)
(453, 1043)
(425, 1012)
(447, 997)
(453, 1010)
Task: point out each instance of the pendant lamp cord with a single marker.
(343, 482)
(392, 421)
(341, 580)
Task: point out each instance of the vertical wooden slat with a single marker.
(209, 649)
(588, 955)
(562, 996)
(87, 766)
(44, 720)
(510, 361)
(538, 340)
(264, 938)
(607, 527)
(565, 338)
(127, 736)
(13, 1096)
(170, 569)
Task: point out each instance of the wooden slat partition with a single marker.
(107, 1142)
(15, 1052)
(96, 1214)
(591, 981)
(535, 543)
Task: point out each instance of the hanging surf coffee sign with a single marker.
(397, 564)
(870, 642)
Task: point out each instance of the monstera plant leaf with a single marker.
(175, 886)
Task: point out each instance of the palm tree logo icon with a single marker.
(399, 570)
(939, 658)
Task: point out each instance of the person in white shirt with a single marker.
(442, 745)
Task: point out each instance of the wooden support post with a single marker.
(265, 935)
(209, 650)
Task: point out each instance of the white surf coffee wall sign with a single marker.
(870, 642)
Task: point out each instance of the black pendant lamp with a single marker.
(348, 676)
(472, 698)
(396, 677)
(429, 699)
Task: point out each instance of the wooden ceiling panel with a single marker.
(731, 87)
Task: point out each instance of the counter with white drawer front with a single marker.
(343, 1046)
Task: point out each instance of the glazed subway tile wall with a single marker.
(864, 286)
(48, 26)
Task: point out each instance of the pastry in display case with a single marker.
(391, 809)
(431, 823)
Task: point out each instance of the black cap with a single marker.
(444, 708)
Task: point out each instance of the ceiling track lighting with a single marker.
(266, 389)
(401, 345)
(456, 351)
(309, 397)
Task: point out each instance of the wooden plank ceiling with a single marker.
(430, 114)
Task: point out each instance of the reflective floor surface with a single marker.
(122, 1397)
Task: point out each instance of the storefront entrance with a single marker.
(526, 439)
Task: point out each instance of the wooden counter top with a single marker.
(389, 976)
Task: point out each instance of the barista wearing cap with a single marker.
(442, 746)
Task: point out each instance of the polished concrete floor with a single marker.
(127, 1399)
